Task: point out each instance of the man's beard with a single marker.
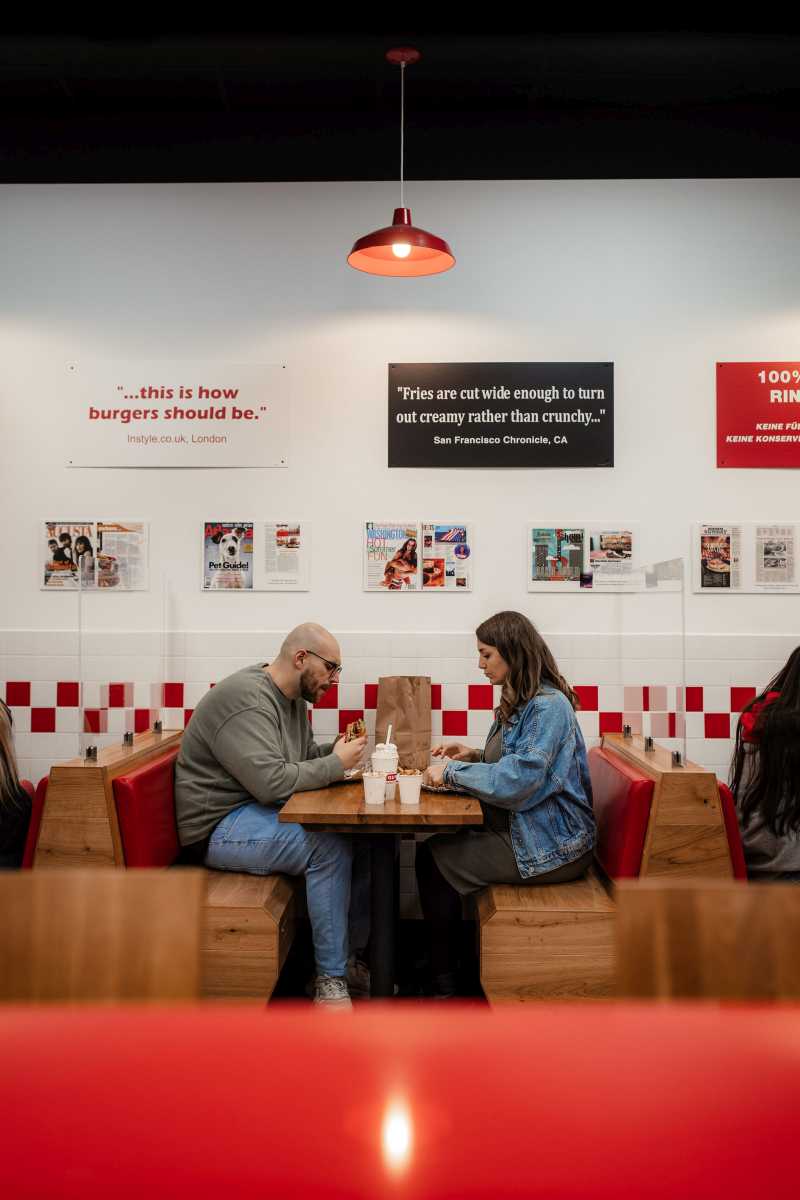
(310, 690)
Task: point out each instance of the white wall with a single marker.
(662, 277)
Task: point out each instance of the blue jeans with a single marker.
(251, 839)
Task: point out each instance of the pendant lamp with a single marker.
(401, 249)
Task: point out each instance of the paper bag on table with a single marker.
(404, 702)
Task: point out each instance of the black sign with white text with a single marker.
(501, 414)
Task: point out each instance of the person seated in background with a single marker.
(765, 777)
(532, 779)
(15, 803)
(246, 750)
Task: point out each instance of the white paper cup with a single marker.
(374, 787)
(410, 786)
(385, 762)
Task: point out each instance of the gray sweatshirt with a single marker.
(246, 741)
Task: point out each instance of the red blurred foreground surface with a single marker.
(604, 1101)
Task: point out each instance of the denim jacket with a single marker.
(542, 777)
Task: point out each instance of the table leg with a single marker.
(383, 865)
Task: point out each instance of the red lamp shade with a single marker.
(401, 249)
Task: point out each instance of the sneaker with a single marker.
(445, 987)
(358, 979)
(331, 990)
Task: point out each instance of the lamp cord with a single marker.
(402, 127)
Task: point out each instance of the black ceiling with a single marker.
(172, 106)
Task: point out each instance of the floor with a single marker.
(412, 965)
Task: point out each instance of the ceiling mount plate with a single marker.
(403, 55)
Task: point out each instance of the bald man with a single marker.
(246, 750)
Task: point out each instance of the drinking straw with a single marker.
(389, 737)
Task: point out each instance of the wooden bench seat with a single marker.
(120, 811)
(248, 927)
(551, 942)
(558, 941)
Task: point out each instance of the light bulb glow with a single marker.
(401, 249)
(396, 1137)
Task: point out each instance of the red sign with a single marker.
(758, 414)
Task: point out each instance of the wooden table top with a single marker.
(341, 807)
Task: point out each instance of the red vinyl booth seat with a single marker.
(145, 802)
(622, 798)
(37, 808)
(732, 830)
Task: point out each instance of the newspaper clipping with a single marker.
(391, 560)
(555, 558)
(446, 557)
(95, 554)
(286, 557)
(122, 555)
(720, 554)
(612, 559)
(775, 558)
(228, 556)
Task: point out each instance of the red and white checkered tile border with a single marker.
(459, 710)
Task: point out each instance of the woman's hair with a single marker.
(9, 779)
(530, 662)
(765, 773)
(82, 544)
(404, 554)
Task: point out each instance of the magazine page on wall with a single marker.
(447, 556)
(67, 555)
(717, 558)
(228, 556)
(774, 557)
(555, 557)
(613, 561)
(122, 555)
(391, 556)
(284, 562)
(757, 557)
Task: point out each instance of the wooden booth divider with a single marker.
(686, 832)
(79, 823)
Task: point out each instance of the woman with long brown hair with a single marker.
(15, 803)
(532, 779)
(765, 777)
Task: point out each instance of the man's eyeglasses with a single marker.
(334, 669)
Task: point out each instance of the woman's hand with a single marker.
(433, 776)
(457, 751)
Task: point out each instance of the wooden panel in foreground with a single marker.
(100, 935)
(79, 823)
(690, 939)
(549, 942)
